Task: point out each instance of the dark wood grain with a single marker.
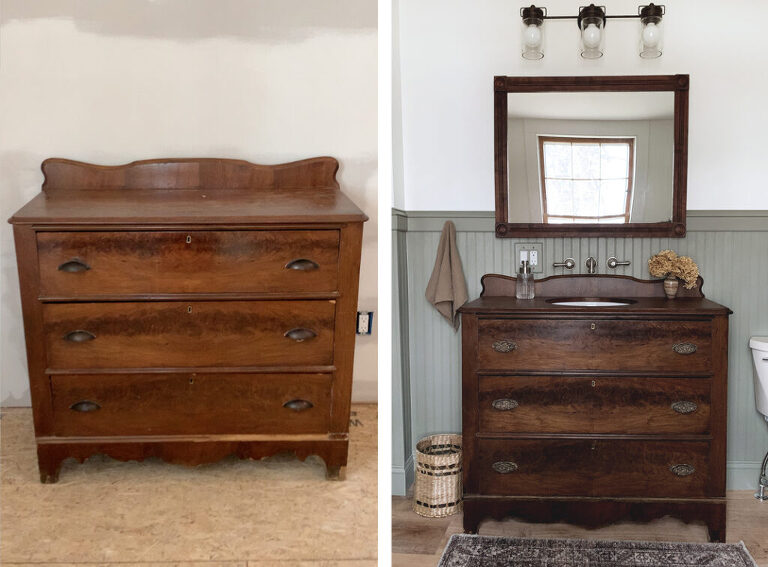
(317, 207)
(344, 330)
(584, 467)
(719, 404)
(585, 400)
(187, 262)
(32, 312)
(469, 406)
(677, 84)
(169, 315)
(192, 403)
(596, 404)
(170, 192)
(210, 333)
(51, 453)
(596, 512)
(594, 343)
(585, 285)
(188, 173)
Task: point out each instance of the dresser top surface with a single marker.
(189, 191)
(641, 305)
(305, 205)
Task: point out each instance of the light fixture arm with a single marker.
(651, 13)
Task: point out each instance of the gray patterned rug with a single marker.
(485, 551)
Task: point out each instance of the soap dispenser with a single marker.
(525, 285)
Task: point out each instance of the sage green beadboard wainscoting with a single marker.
(730, 247)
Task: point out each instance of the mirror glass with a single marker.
(590, 157)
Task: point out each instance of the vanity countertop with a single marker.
(641, 305)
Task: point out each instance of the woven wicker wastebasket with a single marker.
(437, 488)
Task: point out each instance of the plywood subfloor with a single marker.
(419, 542)
(277, 511)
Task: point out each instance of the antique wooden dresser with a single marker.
(590, 415)
(189, 309)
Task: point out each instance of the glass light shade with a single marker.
(532, 38)
(531, 33)
(592, 37)
(651, 35)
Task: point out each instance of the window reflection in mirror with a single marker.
(590, 157)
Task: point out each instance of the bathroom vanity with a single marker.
(594, 414)
(189, 309)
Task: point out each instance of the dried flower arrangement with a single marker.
(668, 264)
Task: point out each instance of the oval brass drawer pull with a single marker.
(504, 346)
(73, 266)
(300, 334)
(504, 467)
(685, 407)
(684, 348)
(298, 405)
(85, 406)
(504, 404)
(302, 264)
(79, 336)
(682, 470)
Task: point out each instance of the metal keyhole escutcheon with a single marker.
(189, 309)
(594, 383)
(592, 326)
(189, 239)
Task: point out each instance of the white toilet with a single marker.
(759, 346)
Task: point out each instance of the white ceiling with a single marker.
(592, 106)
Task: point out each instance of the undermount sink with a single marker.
(590, 302)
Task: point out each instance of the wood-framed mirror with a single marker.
(591, 156)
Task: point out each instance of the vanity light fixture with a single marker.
(591, 21)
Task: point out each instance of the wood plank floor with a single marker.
(418, 541)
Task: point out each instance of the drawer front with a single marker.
(554, 404)
(583, 467)
(75, 264)
(178, 404)
(594, 344)
(182, 334)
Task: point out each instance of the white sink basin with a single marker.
(591, 303)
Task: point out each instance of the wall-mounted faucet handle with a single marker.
(568, 264)
(591, 265)
(613, 262)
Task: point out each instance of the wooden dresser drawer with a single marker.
(583, 467)
(561, 404)
(76, 264)
(178, 404)
(595, 344)
(188, 334)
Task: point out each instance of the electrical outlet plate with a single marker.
(531, 251)
(364, 322)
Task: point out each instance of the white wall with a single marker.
(451, 49)
(110, 82)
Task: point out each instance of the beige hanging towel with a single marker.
(447, 288)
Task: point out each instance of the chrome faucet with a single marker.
(591, 264)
